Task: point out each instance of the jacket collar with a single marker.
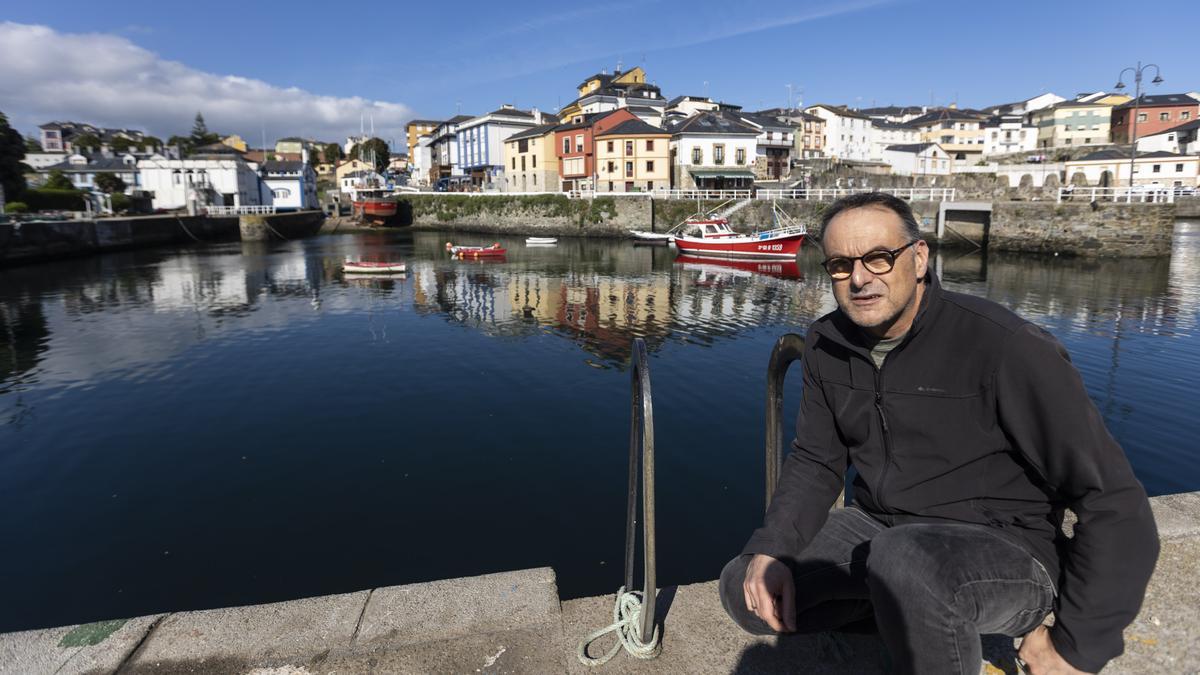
(838, 327)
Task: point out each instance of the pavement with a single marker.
(514, 622)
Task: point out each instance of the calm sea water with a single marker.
(242, 423)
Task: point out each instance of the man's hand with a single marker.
(1040, 656)
(771, 593)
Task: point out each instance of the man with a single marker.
(970, 432)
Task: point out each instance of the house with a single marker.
(288, 186)
(530, 162)
(352, 181)
(61, 136)
(896, 114)
(443, 149)
(481, 142)
(773, 147)
(808, 131)
(712, 151)
(82, 170)
(1026, 106)
(1007, 134)
(1155, 113)
(847, 133)
(1180, 139)
(918, 159)
(422, 161)
(1110, 168)
(347, 166)
(686, 106)
(414, 130)
(200, 180)
(633, 156)
(885, 134)
(1072, 123)
(576, 150)
(236, 142)
(958, 132)
(603, 93)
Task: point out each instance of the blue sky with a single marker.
(398, 60)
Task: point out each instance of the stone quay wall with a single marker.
(49, 240)
(1100, 230)
(537, 215)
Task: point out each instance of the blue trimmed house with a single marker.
(481, 143)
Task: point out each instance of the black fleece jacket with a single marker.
(978, 417)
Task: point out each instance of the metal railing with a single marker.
(641, 451)
(788, 348)
(815, 194)
(255, 210)
(1136, 194)
(829, 194)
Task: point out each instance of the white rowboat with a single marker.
(373, 267)
(541, 240)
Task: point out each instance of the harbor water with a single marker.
(243, 423)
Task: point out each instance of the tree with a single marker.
(121, 144)
(153, 142)
(12, 151)
(85, 141)
(333, 153)
(32, 144)
(200, 133)
(109, 183)
(184, 144)
(373, 150)
(57, 180)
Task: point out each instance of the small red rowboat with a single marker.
(493, 251)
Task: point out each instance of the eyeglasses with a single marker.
(876, 262)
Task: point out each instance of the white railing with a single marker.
(824, 194)
(255, 210)
(1137, 194)
(703, 194)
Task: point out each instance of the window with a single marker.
(1157, 168)
(611, 146)
(612, 167)
(628, 148)
(535, 177)
(1066, 141)
(650, 166)
(697, 156)
(739, 155)
(514, 163)
(1178, 168)
(578, 142)
(566, 145)
(1087, 141)
(1185, 115)
(281, 193)
(522, 162)
(650, 145)
(629, 169)
(1163, 117)
(523, 145)
(718, 154)
(534, 158)
(1141, 117)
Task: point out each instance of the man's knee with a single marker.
(733, 597)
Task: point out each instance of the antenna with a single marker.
(789, 88)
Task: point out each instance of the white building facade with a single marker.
(1008, 134)
(212, 180)
(289, 186)
(847, 133)
(713, 152)
(918, 159)
(886, 134)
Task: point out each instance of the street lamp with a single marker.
(1137, 102)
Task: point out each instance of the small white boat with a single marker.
(541, 241)
(643, 235)
(360, 267)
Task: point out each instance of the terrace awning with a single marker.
(721, 173)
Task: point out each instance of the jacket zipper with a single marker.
(887, 437)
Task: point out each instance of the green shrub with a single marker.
(121, 202)
(16, 207)
(45, 199)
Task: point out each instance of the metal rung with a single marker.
(641, 450)
(787, 349)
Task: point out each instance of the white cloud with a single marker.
(109, 81)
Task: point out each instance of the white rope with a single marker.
(627, 613)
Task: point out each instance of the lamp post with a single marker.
(1137, 102)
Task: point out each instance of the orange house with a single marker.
(575, 146)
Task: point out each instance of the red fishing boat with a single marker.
(374, 206)
(493, 251)
(713, 237)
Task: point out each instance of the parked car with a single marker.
(442, 185)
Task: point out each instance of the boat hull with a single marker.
(375, 209)
(373, 268)
(783, 248)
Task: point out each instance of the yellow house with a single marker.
(633, 157)
(350, 166)
(415, 130)
(530, 164)
(959, 133)
(600, 81)
(235, 142)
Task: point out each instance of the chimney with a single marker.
(537, 116)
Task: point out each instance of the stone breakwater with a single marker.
(1069, 228)
(49, 240)
(515, 622)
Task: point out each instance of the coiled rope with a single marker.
(627, 613)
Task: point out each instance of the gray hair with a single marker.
(878, 200)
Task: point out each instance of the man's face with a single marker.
(883, 304)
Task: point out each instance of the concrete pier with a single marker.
(514, 622)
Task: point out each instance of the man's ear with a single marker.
(921, 251)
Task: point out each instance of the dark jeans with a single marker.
(933, 589)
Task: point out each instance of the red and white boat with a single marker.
(493, 251)
(707, 236)
(362, 267)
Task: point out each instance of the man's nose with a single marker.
(860, 276)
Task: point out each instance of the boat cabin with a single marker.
(709, 229)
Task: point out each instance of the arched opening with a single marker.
(1026, 181)
(1051, 182)
(1106, 179)
(1078, 178)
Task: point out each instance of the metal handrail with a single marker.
(641, 447)
(788, 348)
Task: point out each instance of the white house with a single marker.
(1006, 134)
(202, 180)
(1110, 168)
(289, 186)
(1027, 106)
(713, 152)
(481, 142)
(422, 160)
(884, 134)
(847, 133)
(918, 159)
(82, 170)
(773, 147)
(1181, 139)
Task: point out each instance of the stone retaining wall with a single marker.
(1103, 230)
(549, 214)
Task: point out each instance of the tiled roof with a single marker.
(535, 132)
(712, 123)
(1152, 100)
(633, 127)
(914, 148)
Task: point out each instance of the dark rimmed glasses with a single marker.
(875, 262)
